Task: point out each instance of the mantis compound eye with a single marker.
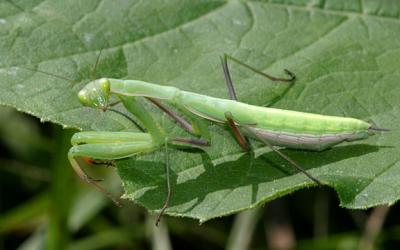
(96, 94)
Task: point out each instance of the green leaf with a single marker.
(344, 53)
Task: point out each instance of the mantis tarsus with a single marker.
(273, 127)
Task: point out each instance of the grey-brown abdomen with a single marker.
(308, 141)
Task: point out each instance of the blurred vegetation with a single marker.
(43, 205)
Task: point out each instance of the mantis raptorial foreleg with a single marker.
(107, 163)
(106, 146)
(117, 145)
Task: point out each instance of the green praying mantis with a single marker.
(273, 127)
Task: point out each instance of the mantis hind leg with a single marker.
(228, 79)
(253, 132)
(243, 140)
(245, 143)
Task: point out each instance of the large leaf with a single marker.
(345, 55)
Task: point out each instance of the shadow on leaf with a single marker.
(207, 191)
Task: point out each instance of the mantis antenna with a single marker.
(49, 74)
(95, 65)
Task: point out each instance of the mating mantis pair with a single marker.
(273, 127)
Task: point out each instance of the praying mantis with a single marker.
(273, 127)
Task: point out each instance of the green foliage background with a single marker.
(344, 53)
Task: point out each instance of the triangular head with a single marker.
(96, 94)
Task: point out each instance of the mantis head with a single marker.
(96, 94)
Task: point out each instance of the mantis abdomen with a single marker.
(280, 127)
